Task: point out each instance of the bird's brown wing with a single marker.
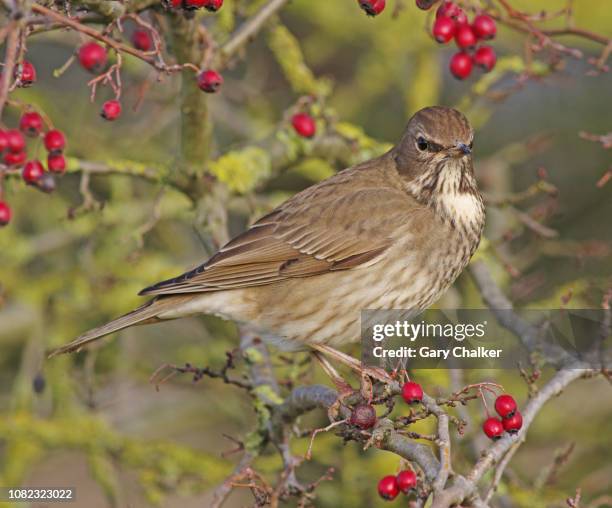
(323, 229)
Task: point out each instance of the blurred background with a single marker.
(94, 422)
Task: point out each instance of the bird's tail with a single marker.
(142, 315)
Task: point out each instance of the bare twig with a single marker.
(222, 492)
(524, 23)
(91, 32)
(535, 226)
(574, 502)
(249, 29)
(499, 471)
(604, 139)
(9, 62)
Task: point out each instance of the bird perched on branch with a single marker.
(390, 233)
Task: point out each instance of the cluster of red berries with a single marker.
(390, 486)
(364, 415)
(13, 150)
(451, 22)
(192, 5)
(94, 58)
(372, 7)
(511, 419)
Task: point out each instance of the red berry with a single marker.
(56, 163)
(461, 65)
(141, 39)
(485, 57)
(363, 416)
(493, 428)
(32, 172)
(505, 405)
(26, 73)
(14, 158)
(173, 4)
(213, 5)
(372, 7)
(453, 11)
(31, 123)
(448, 9)
(443, 29)
(210, 81)
(484, 27)
(15, 141)
(194, 4)
(304, 125)
(461, 18)
(3, 141)
(406, 481)
(5, 213)
(111, 110)
(514, 423)
(387, 488)
(412, 392)
(465, 37)
(93, 57)
(55, 141)
(425, 4)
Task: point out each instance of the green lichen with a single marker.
(162, 466)
(243, 170)
(288, 54)
(268, 395)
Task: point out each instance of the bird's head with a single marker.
(434, 136)
(434, 156)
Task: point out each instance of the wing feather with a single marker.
(302, 238)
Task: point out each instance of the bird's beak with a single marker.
(461, 150)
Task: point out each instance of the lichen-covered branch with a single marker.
(196, 128)
(443, 441)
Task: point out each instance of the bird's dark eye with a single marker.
(471, 145)
(422, 143)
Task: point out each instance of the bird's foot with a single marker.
(344, 389)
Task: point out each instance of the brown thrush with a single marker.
(390, 233)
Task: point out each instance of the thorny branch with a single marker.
(468, 486)
(526, 23)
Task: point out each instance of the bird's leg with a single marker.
(374, 372)
(345, 390)
(340, 383)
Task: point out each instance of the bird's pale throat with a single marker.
(451, 190)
